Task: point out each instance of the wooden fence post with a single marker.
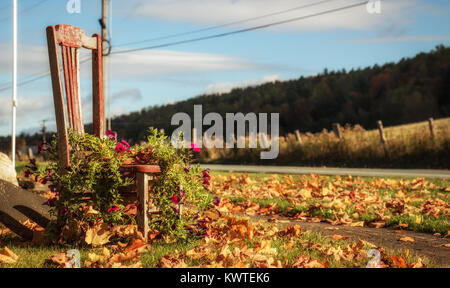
(431, 125)
(194, 136)
(30, 154)
(337, 130)
(382, 137)
(299, 137)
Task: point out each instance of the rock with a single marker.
(7, 172)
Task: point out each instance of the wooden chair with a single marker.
(71, 39)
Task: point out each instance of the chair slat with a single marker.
(97, 89)
(67, 84)
(58, 100)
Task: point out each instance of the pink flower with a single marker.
(216, 201)
(120, 148)
(206, 174)
(114, 208)
(206, 181)
(175, 199)
(111, 135)
(195, 147)
(125, 143)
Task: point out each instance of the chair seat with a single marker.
(142, 168)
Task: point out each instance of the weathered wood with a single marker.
(18, 205)
(30, 153)
(76, 90)
(58, 100)
(72, 36)
(381, 132)
(298, 136)
(382, 138)
(97, 89)
(194, 136)
(142, 195)
(337, 130)
(431, 126)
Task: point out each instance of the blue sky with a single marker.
(347, 39)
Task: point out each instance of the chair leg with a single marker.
(142, 197)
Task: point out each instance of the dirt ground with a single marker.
(424, 244)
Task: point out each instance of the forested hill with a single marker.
(408, 91)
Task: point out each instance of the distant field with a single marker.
(407, 146)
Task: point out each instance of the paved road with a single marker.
(445, 174)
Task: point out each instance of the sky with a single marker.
(348, 39)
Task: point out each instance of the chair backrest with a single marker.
(71, 39)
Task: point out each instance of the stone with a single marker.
(18, 205)
(7, 172)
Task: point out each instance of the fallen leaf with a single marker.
(98, 235)
(339, 237)
(399, 261)
(59, 259)
(7, 256)
(407, 239)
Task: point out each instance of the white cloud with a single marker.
(33, 60)
(217, 12)
(225, 87)
(168, 63)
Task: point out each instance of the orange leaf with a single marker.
(399, 261)
(407, 239)
(339, 237)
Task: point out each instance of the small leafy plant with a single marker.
(88, 191)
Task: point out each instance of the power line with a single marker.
(224, 25)
(26, 9)
(36, 77)
(42, 75)
(242, 30)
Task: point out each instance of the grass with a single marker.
(408, 146)
(21, 166)
(307, 244)
(259, 188)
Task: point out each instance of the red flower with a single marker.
(206, 174)
(27, 173)
(120, 148)
(206, 181)
(175, 199)
(112, 135)
(216, 201)
(114, 208)
(195, 147)
(125, 143)
(63, 212)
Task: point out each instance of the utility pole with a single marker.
(104, 25)
(14, 82)
(43, 131)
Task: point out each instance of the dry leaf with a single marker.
(98, 235)
(339, 237)
(7, 256)
(407, 239)
(59, 259)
